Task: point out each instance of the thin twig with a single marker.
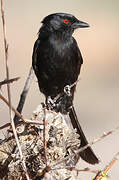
(85, 147)
(5, 126)
(107, 168)
(12, 108)
(44, 137)
(24, 94)
(9, 81)
(18, 114)
(86, 170)
(78, 170)
(111, 163)
(5, 48)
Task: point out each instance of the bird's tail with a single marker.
(88, 154)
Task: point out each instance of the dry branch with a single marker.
(104, 172)
(9, 81)
(44, 136)
(17, 113)
(6, 52)
(24, 94)
(9, 93)
(5, 126)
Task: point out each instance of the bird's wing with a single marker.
(80, 56)
(34, 56)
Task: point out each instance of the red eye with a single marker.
(66, 21)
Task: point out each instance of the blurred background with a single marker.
(97, 95)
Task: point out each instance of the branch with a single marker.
(5, 126)
(103, 173)
(6, 52)
(24, 94)
(7, 81)
(18, 114)
(44, 137)
(109, 166)
(83, 170)
(9, 93)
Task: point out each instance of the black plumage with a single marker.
(57, 61)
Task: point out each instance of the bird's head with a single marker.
(62, 22)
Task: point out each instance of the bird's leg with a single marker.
(67, 97)
(50, 103)
(67, 90)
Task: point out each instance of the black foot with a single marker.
(67, 90)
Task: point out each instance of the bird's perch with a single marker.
(60, 141)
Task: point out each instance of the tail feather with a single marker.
(88, 154)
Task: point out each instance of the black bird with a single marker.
(57, 61)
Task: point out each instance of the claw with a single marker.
(50, 103)
(67, 90)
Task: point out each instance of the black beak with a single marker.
(80, 24)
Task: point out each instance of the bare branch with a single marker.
(9, 81)
(9, 93)
(24, 94)
(18, 114)
(86, 170)
(6, 51)
(44, 137)
(83, 170)
(109, 166)
(103, 173)
(5, 126)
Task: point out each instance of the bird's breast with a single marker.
(61, 46)
(58, 57)
(57, 63)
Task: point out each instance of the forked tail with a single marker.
(88, 154)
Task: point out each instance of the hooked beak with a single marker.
(80, 24)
